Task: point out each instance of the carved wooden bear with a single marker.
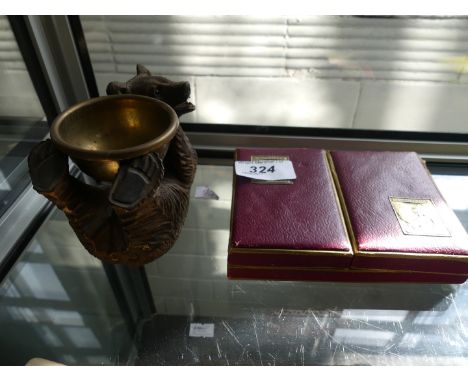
(139, 217)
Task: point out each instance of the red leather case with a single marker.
(298, 224)
(344, 275)
(397, 218)
(349, 216)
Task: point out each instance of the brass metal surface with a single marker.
(138, 217)
(418, 217)
(100, 132)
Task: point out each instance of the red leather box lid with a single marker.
(304, 215)
(370, 180)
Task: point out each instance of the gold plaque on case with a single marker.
(418, 217)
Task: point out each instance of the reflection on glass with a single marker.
(22, 314)
(363, 337)
(64, 317)
(454, 189)
(289, 323)
(48, 335)
(82, 337)
(40, 281)
(57, 303)
(21, 116)
(375, 315)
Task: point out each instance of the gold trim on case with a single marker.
(342, 270)
(379, 270)
(342, 203)
(260, 181)
(272, 278)
(233, 196)
(414, 255)
(235, 250)
(337, 199)
(268, 157)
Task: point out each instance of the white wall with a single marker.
(320, 71)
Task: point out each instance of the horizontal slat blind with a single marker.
(408, 48)
(17, 95)
(10, 56)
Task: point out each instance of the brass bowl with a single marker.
(100, 132)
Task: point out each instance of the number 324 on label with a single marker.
(266, 170)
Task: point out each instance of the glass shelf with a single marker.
(57, 303)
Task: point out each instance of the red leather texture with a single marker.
(302, 216)
(266, 273)
(300, 260)
(409, 262)
(368, 180)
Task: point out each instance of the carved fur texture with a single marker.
(139, 217)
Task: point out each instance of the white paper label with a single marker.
(201, 330)
(266, 169)
(204, 192)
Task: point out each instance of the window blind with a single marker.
(329, 47)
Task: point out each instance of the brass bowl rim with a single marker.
(126, 153)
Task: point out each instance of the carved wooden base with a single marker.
(139, 217)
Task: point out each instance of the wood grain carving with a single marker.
(139, 217)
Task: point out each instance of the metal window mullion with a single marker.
(54, 44)
(32, 61)
(433, 150)
(58, 65)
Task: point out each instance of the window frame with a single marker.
(220, 140)
(50, 51)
